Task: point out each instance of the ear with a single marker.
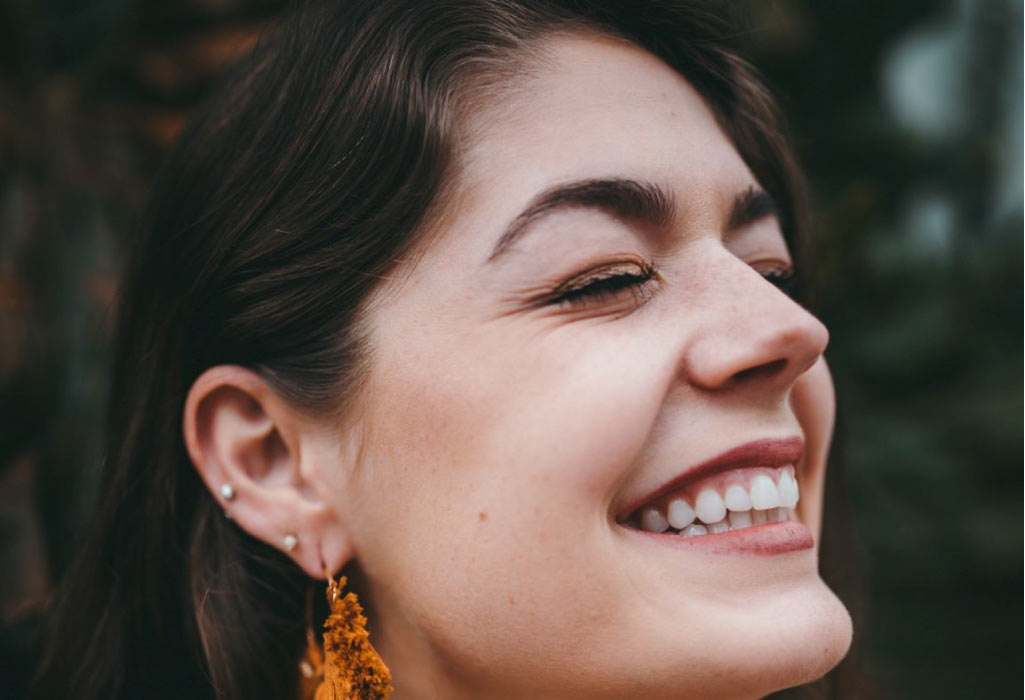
(267, 457)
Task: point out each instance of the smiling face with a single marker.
(594, 332)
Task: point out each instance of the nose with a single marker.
(751, 334)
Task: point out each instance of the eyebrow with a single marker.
(749, 206)
(629, 199)
(634, 200)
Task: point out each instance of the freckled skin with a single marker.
(494, 436)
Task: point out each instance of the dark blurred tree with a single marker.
(90, 96)
(908, 117)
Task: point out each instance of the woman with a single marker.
(488, 306)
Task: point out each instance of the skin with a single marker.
(476, 485)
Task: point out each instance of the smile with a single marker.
(741, 501)
(726, 502)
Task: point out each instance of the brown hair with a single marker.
(283, 203)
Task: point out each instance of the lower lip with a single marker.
(771, 538)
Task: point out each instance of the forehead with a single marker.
(600, 104)
(590, 107)
(582, 107)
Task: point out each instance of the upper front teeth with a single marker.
(710, 507)
(764, 494)
(737, 498)
(764, 500)
(789, 493)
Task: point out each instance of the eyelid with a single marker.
(786, 278)
(773, 266)
(629, 275)
(603, 271)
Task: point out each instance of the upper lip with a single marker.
(770, 452)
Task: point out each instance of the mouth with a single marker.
(744, 500)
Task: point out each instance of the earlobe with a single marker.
(255, 454)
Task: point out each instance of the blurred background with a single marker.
(908, 117)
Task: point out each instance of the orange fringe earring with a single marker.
(349, 667)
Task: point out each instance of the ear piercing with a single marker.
(290, 541)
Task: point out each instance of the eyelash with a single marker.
(604, 284)
(788, 282)
(600, 288)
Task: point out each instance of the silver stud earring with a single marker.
(227, 492)
(291, 542)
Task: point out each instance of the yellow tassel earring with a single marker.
(349, 667)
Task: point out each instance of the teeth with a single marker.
(710, 507)
(764, 501)
(680, 513)
(788, 490)
(716, 528)
(739, 519)
(737, 498)
(652, 521)
(764, 494)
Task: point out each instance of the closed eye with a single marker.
(606, 285)
(788, 282)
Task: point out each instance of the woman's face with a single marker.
(542, 380)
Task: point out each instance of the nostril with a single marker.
(763, 370)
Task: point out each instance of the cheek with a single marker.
(483, 507)
(814, 404)
(521, 429)
(491, 480)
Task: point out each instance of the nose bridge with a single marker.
(751, 332)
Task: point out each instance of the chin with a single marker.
(802, 636)
(792, 637)
(816, 639)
